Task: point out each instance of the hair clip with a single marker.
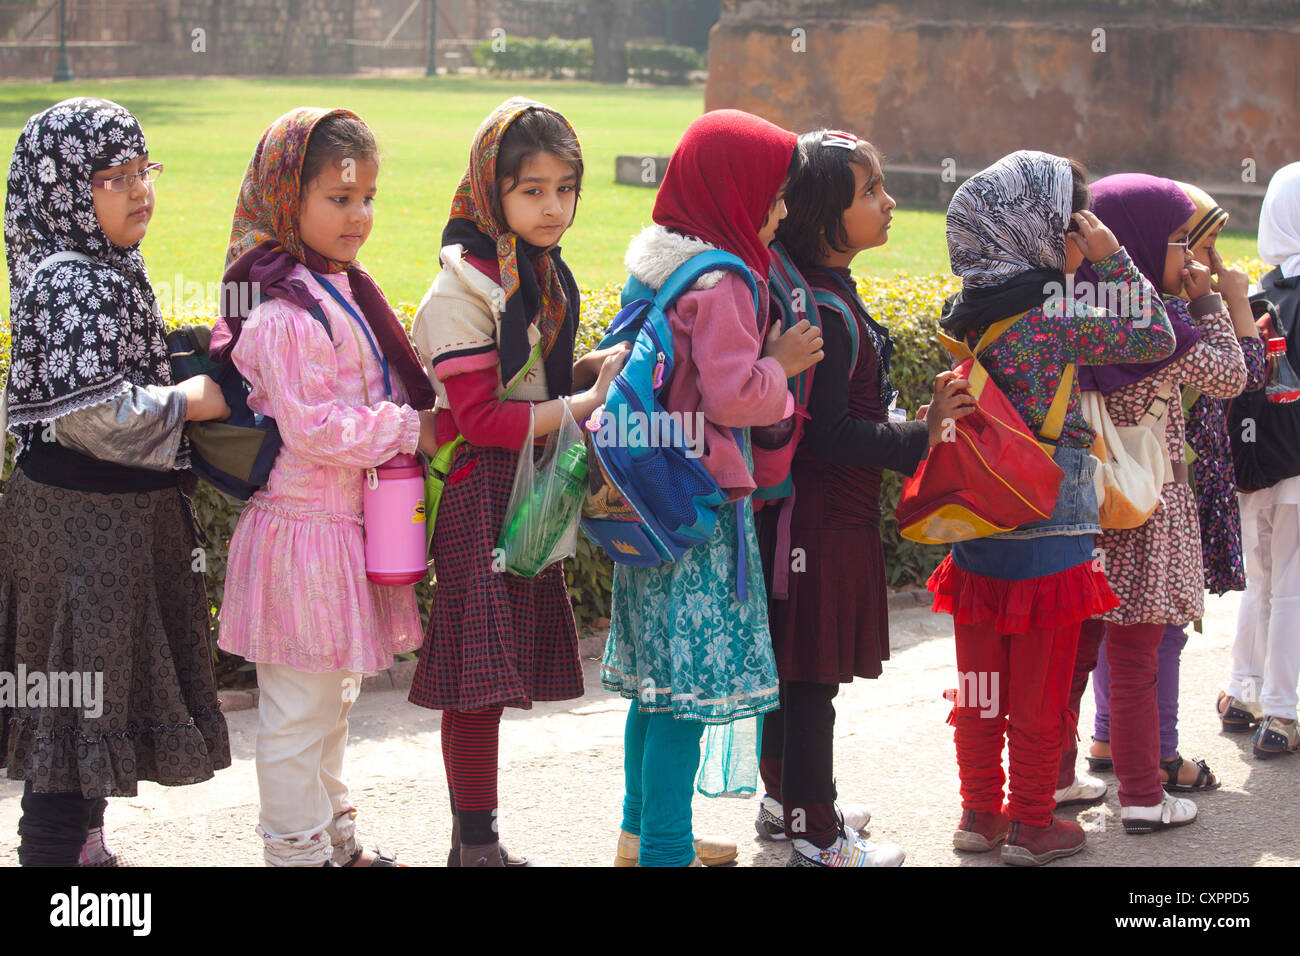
(836, 137)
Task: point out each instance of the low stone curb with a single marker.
(590, 647)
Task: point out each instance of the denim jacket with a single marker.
(1076, 504)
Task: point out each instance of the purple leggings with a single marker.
(1170, 651)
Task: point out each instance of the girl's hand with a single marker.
(1196, 280)
(203, 400)
(609, 368)
(1229, 283)
(797, 348)
(587, 369)
(583, 403)
(1094, 240)
(952, 400)
(428, 443)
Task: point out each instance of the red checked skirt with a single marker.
(493, 637)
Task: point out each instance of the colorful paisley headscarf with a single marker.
(539, 286)
(265, 247)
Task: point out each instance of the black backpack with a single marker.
(1274, 453)
(234, 456)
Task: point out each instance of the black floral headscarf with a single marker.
(83, 328)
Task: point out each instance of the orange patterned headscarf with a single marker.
(269, 197)
(265, 248)
(540, 288)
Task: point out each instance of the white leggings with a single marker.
(1266, 653)
(302, 733)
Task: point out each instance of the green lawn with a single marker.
(205, 131)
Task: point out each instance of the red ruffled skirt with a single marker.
(1017, 607)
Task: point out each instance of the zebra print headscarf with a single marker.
(1010, 218)
(1006, 237)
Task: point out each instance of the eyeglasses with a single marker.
(120, 184)
(1182, 242)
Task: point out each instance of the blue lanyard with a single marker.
(383, 362)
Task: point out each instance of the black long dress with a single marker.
(835, 624)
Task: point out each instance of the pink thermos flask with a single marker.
(393, 499)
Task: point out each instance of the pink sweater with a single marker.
(717, 344)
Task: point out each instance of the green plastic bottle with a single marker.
(529, 543)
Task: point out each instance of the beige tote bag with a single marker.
(1132, 460)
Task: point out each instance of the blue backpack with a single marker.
(649, 501)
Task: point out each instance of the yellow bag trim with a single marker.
(1054, 423)
(1005, 483)
(1055, 419)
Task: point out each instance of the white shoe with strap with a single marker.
(1172, 812)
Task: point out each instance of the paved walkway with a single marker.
(561, 777)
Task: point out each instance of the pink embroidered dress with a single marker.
(296, 590)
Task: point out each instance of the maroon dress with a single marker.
(835, 625)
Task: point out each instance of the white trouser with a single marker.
(1266, 652)
(302, 732)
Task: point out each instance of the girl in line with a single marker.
(1156, 569)
(683, 646)
(835, 625)
(1266, 652)
(297, 599)
(1017, 599)
(96, 532)
(1214, 484)
(502, 313)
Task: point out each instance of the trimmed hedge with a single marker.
(660, 64)
(909, 306)
(533, 56)
(557, 58)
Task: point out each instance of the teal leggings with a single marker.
(660, 757)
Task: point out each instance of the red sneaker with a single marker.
(981, 832)
(1034, 846)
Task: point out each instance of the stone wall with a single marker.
(252, 37)
(157, 37)
(1188, 90)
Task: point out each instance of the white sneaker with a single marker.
(771, 817)
(1173, 812)
(849, 849)
(1084, 789)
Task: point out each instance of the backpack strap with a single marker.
(627, 323)
(689, 272)
(441, 462)
(57, 258)
(793, 295)
(845, 312)
(318, 313)
(1050, 433)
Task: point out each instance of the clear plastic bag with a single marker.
(541, 525)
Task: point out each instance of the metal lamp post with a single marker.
(63, 72)
(431, 69)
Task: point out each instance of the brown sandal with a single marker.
(1205, 779)
(382, 858)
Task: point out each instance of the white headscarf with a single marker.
(1279, 221)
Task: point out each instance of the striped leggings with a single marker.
(469, 754)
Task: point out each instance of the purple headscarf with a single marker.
(1142, 211)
